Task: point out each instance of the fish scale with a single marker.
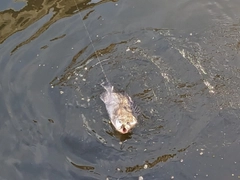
(120, 109)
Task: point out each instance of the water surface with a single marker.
(178, 60)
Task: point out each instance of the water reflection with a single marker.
(15, 21)
(76, 67)
(82, 167)
(148, 164)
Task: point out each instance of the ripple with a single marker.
(151, 90)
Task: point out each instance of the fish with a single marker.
(120, 107)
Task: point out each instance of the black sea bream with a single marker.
(120, 109)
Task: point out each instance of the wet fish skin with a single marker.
(120, 109)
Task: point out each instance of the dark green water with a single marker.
(178, 60)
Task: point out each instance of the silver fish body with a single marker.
(120, 109)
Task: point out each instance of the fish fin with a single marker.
(136, 110)
(107, 86)
(128, 97)
(102, 97)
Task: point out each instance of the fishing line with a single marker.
(91, 42)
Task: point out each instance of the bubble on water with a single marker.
(201, 153)
(61, 92)
(172, 177)
(128, 49)
(140, 178)
(195, 176)
(145, 166)
(52, 86)
(181, 160)
(84, 79)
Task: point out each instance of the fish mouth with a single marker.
(124, 130)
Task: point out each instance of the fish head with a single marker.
(124, 126)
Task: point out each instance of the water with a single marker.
(178, 60)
